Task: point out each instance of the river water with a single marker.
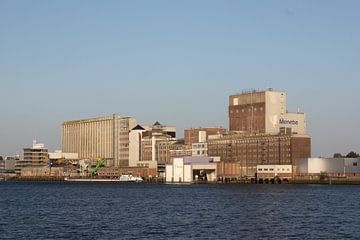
(43, 210)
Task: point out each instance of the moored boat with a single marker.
(122, 178)
(130, 178)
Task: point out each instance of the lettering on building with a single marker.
(289, 122)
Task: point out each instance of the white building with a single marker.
(135, 138)
(191, 169)
(272, 171)
(333, 166)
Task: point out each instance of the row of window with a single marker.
(271, 169)
(249, 110)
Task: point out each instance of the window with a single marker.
(260, 169)
(355, 164)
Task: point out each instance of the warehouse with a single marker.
(349, 167)
(191, 169)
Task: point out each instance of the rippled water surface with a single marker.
(142, 211)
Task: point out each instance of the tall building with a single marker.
(96, 138)
(263, 112)
(144, 143)
(262, 132)
(35, 156)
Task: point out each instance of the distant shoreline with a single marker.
(330, 181)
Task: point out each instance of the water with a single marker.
(142, 211)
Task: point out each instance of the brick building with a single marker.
(264, 149)
(196, 135)
(257, 112)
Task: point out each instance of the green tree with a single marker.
(352, 154)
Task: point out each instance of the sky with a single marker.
(176, 62)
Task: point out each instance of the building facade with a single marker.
(345, 167)
(10, 162)
(150, 145)
(248, 151)
(36, 156)
(200, 135)
(199, 149)
(96, 138)
(272, 172)
(266, 112)
(191, 169)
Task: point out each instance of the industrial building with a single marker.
(145, 141)
(34, 157)
(97, 138)
(263, 112)
(191, 169)
(248, 151)
(346, 167)
(262, 132)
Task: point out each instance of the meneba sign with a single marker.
(290, 122)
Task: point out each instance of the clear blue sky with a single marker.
(176, 62)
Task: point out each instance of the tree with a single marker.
(338, 155)
(352, 154)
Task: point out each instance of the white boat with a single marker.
(122, 178)
(130, 178)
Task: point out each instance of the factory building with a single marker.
(264, 112)
(262, 132)
(248, 151)
(346, 167)
(150, 145)
(97, 138)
